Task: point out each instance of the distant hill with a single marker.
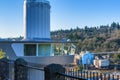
(97, 39)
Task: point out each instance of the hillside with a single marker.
(97, 39)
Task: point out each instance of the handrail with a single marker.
(23, 65)
(9, 61)
(69, 76)
(33, 67)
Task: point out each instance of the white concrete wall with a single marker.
(18, 49)
(35, 74)
(50, 59)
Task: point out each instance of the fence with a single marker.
(19, 70)
(89, 75)
(58, 72)
(22, 70)
(6, 69)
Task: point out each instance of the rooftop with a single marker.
(39, 41)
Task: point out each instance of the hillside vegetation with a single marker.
(97, 39)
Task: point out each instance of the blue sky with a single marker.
(65, 14)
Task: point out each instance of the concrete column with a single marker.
(37, 49)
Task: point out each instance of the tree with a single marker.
(2, 54)
(80, 67)
(97, 38)
(70, 36)
(76, 37)
(86, 28)
(117, 56)
(113, 25)
(118, 26)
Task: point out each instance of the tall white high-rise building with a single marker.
(36, 28)
(36, 19)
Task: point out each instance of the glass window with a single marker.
(29, 49)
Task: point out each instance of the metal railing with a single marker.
(74, 74)
(68, 77)
(12, 70)
(32, 67)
